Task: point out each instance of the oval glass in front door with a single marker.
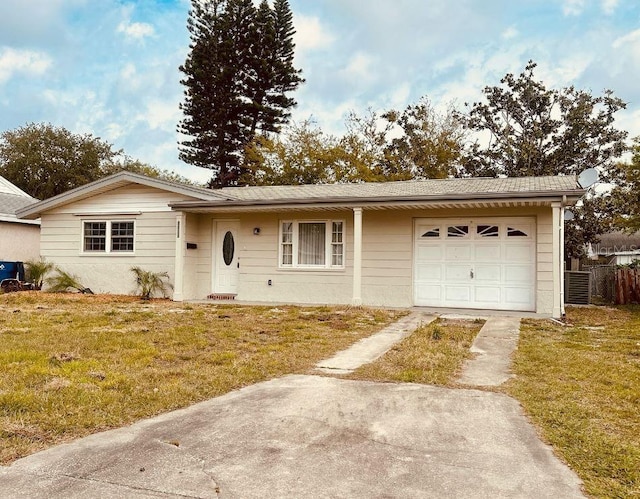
(228, 248)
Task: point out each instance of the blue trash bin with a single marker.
(11, 270)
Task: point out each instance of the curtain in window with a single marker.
(311, 243)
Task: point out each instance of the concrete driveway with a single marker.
(309, 436)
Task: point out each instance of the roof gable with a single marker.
(12, 199)
(112, 182)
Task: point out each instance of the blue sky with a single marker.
(110, 67)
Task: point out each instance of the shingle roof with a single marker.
(618, 241)
(11, 200)
(408, 188)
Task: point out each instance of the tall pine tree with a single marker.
(237, 77)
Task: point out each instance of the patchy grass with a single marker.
(433, 354)
(581, 386)
(71, 365)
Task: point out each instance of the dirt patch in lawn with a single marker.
(71, 365)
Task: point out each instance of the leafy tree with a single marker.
(625, 196)
(539, 131)
(44, 160)
(431, 143)
(365, 153)
(417, 142)
(303, 155)
(237, 77)
(135, 166)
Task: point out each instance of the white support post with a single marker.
(558, 247)
(357, 256)
(178, 285)
(562, 265)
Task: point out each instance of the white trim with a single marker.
(105, 184)
(328, 253)
(108, 237)
(558, 276)
(181, 230)
(357, 256)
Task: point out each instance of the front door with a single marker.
(225, 257)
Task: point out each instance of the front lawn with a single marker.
(71, 365)
(580, 384)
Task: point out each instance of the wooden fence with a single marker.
(627, 286)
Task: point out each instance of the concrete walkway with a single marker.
(315, 437)
(493, 347)
(369, 349)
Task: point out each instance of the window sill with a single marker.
(103, 254)
(311, 269)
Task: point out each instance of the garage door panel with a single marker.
(487, 252)
(458, 252)
(488, 295)
(517, 274)
(431, 293)
(518, 252)
(429, 272)
(430, 252)
(457, 293)
(457, 272)
(487, 273)
(518, 296)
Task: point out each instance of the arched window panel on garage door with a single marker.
(458, 231)
(518, 231)
(488, 231)
(433, 232)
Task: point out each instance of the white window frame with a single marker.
(328, 244)
(108, 237)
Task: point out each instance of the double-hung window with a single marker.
(312, 244)
(110, 236)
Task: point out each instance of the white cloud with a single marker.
(161, 114)
(28, 62)
(509, 33)
(360, 69)
(135, 31)
(310, 34)
(609, 6)
(573, 7)
(630, 38)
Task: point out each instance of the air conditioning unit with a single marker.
(577, 287)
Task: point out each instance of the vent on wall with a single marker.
(577, 288)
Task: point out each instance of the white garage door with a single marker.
(478, 263)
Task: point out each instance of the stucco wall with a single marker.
(19, 242)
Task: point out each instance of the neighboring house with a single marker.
(618, 248)
(464, 243)
(19, 239)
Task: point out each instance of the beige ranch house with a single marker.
(481, 243)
